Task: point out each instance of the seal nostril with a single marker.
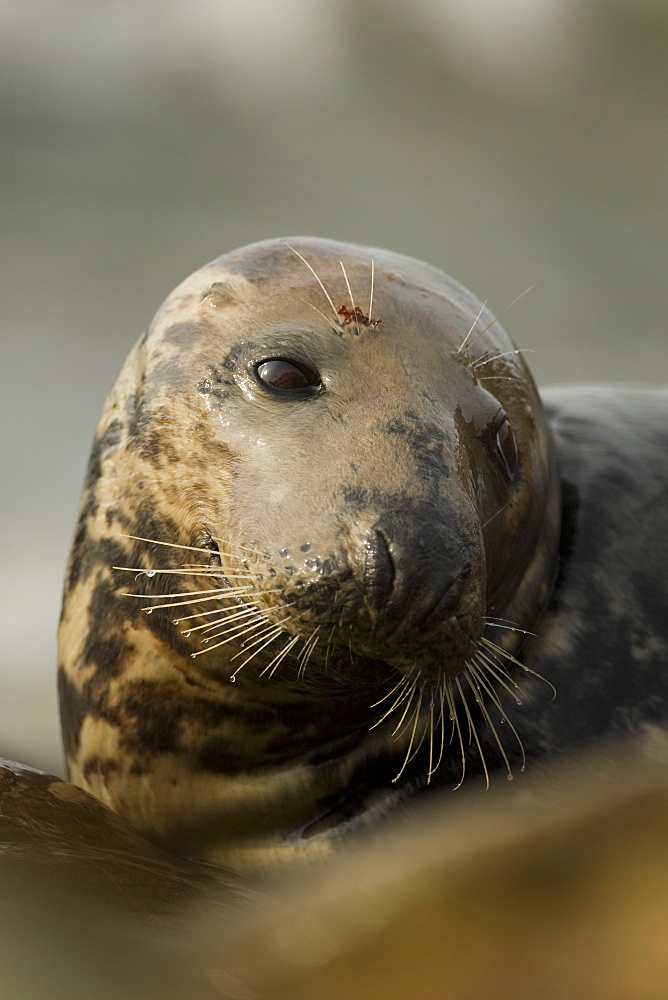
(379, 571)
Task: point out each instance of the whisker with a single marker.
(251, 613)
(238, 631)
(173, 604)
(508, 656)
(485, 359)
(473, 326)
(280, 656)
(409, 756)
(441, 723)
(180, 604)
(403, 679)
(413, 688)
(431, 739)
(304, 260)
(501, 675)
(509, 306)
(500, 511)
(272, 635)
(185, 571)
(307, 652)
(249, 628)
(306, 302)
(403, 694)
(452, 708)
(193, 548)
(473, 730)
(352, 300)
(182, 593)
(371, 292)
(497, 702)
(511, 628)
(471, 681)
(329, 645)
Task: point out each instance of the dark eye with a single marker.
(283, 376)
(507, 446)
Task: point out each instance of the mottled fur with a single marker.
(207, 496)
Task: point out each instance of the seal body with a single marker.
(325, 479)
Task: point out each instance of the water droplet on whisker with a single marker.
(148, 611)
(150, 572)
(186, 634)
(510, 777)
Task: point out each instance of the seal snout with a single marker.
(412, 571)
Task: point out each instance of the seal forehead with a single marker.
(312, 280)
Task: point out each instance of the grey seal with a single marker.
(324, 516)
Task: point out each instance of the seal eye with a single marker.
(284, 376)
(507, 446)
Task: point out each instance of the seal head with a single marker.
(329, 466)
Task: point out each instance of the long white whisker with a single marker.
(485, 360)
(473, 326)
(409, 756)
(396, 731)
(371, 292)
(502, 652)
(352, 300)
(280, 656)
(473, 730)
(272, 635)
(479, 675)
(441, 723)
(316, 278)
(306, 302)
(452, 708)
(483, 708)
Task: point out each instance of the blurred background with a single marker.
(509, 143)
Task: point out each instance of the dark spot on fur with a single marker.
(105, 645)
(73, 711)
(148, 431)
(108, 440)
(183, 335)
(98, 765)
(355, 496)
(86, 555)
(154, 712)
(236, 353)
(265, 262)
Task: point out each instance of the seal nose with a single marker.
(413, 569)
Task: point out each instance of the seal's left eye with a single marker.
(281, 375)
(507, 446)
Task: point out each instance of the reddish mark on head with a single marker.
(357, 316)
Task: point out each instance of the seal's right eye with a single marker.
(280, 375)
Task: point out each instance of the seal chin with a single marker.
(437, 654)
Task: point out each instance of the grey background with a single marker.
(509, 143)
